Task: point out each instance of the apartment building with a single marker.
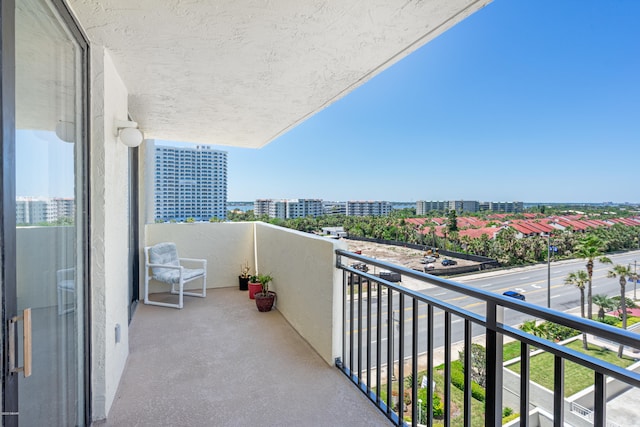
(368, 208)
(189, 182)
(334, 208)
(31, 210)
(423, 207)
(287, 209)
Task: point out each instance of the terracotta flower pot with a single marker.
(254, 288)
(265, 302)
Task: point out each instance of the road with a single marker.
(530, 281)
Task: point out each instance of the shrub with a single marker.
(609, 320)
(457, 379)
(506, 412)
(436, 404)
(438, 407)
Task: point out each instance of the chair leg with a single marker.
(181, 295)
(204, 285)
(60, 309)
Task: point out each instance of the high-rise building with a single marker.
(190, 182)
(36, 210)
(368, 208)
(507, 207)
(287, 209)
(464, 205)
(423, 207)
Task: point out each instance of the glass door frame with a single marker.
(8, 259)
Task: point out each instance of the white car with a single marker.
(430, 266)
(429, 259)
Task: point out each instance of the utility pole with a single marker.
(548, 270)
(635, 279)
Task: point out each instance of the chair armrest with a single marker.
(197, 260)
(175, 267)
(61, 274)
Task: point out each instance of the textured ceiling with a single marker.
(242, 72)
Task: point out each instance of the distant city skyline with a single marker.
(533, 100)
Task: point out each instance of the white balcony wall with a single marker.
(109, 232)
(307, 283)
(303, 267)
(225, 246)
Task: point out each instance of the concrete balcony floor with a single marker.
(220, 362)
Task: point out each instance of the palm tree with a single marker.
(622, 272)
(531, 327)
(579, 279)
(591, 248)
(605, 303)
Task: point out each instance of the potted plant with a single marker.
(265, 298)
(243, 278)
(254, 286)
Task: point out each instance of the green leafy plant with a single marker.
(264, 280)
(190, 220)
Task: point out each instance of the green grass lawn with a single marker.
(511, 350)
(576, 377)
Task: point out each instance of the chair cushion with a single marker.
(163, 253)
(69, 285)
(173, 276)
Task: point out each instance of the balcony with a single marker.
(220, 359)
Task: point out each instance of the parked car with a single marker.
(514, 294)
(428, 259)
(429, 267)
(390, 276)
(361, 266)
(446, 262)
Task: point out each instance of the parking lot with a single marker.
(406, 257)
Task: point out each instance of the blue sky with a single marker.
(531, 100)
(528, 100)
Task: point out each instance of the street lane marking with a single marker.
(487, 285)
(536, 286)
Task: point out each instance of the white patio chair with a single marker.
(166, 267)
(66, 284)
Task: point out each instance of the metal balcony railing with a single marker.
(389, 335)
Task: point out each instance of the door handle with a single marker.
(26, 343)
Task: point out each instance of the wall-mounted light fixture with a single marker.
(66, 131)
(128, 133)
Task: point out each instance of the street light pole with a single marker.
(635, 279)
(548, 270)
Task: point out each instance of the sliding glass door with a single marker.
(51, 221)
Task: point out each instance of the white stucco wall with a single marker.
(307, 284)
(225, 246)
(109, 232)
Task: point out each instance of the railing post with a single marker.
(600, 400)
(558, 391)
(493, 409)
